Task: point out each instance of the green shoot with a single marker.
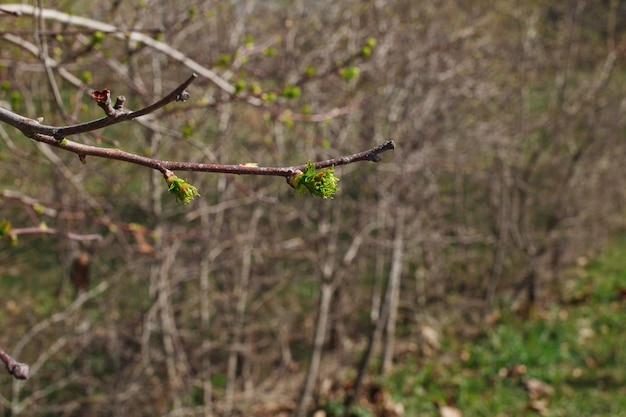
(319, 182)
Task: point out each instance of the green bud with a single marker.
(291, 91)
(309, 71)
(319, 182)
(366, 50)
(224, 60)
(182, 190)
(349, 73)
(187, 130)
(96, 39)
(269, 97)
(255, 88)
(249, 41)
(240, 86)
(86, 77)
(307, 109)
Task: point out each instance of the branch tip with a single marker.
(101, 96)
(119, 103)
(17, 369)
(10, 13)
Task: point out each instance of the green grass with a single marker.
(578, 349)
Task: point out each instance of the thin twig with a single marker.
(238, 169)
(55, 136)
(31, 127)
(49, 231)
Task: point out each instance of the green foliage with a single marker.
(291, 91)
(319, 182)
(224, 60)
(86, 77)
(187, 129)
(334, 408)
(182, 190)
(96, 39)
(360, 411)
(577, 350)
(255, 88)
(16, 100)
(240, 86)
(349, 73)
(269, 97)
(249, 41)
(366, 50)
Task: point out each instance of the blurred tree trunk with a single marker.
(326, 294)
(387, 314)
(175, 357)
(325, 259)
(394, 290)
(240, 292)
(208, 258)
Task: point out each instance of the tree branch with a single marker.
(50, 231)
(316, 178)
(115, 114)
(55, 136)
(17, 369)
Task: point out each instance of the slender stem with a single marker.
(80, 149)
(49, 231)
(55, 136)
(30, 127)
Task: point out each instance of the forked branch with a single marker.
(314, 177)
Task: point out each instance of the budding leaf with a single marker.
(96, 39)
(310, 71)
(182, 190)
(319, 182)
(371, 42)
(240, 86)
(291, 91)
(349, 73)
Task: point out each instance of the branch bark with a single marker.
(56, 136)
(17, 369)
